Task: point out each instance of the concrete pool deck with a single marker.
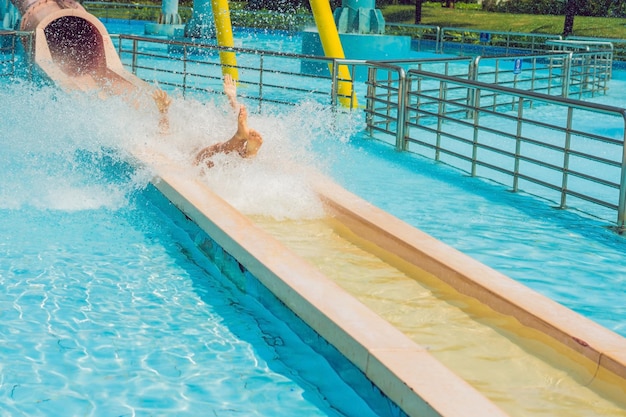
(403, 370)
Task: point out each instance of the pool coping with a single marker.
(404, 371)
(604, 347)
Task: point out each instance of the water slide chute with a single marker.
(74, 48)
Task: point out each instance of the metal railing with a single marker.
(564, 150)
(264, 76)
(554, 73)
(425, 37)
(10, 56)
(567, 74)
(485, 43)
(441, 108)
(618, 45)
(481, 42)
(7, 53)
(593, 63)
(549, 73)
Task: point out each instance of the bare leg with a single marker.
(162, 101)
(230, 89)
(253, 139)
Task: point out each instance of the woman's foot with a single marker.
(246, 141)
(253, 144)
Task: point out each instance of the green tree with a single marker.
(571, 9)
(283, 6)
(418, 11)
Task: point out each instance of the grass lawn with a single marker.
(435, 15)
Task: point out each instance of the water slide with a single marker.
(73, 49)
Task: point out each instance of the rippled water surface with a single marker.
(572, 259)
(106, 309)
(106, 306)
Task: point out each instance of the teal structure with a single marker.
(169, 20)
(201, 25)
(359, 16)
(9, 16)
(361, 30)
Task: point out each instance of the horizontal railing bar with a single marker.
(598, 107)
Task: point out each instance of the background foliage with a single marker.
(599, 8)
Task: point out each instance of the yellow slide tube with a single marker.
(224, 29)
(332, 48)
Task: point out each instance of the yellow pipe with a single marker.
(332, 48)
(224, 29)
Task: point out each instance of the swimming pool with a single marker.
(517, 234)
(108, 308)
(307, 119)
(568, 256)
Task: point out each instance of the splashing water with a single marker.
(66, 152)
(277, 182)
(73, 151)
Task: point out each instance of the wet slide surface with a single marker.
(521, 370)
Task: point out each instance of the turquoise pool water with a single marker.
(62, 209)
(572, 259)
(107, 306)
(567, 256)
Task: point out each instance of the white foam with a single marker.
(277, 183)
(57, 148)
(53, 140)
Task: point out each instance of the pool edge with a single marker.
(405, 372)
(604, 347)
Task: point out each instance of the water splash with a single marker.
(73, 151)
(67, 152)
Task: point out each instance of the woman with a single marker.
(246, 142)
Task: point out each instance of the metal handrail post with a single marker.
(371, 90)
(185, 58)
(518, 143)
(566, 152)
(134, 59)
(471, 92)
(402, 109)
(439, 44)
(440, 111)
(438, 31)
(621, 207)
(31, 63)
(334, 83)
(567, 70)
(262, 72)
(476, 105)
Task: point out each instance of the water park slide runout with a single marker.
(404, 371)
(74, 50)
